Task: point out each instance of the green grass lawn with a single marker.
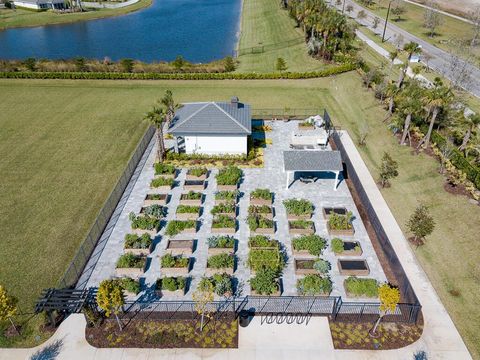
(24, 18)
(265, 23)
(62, 157)
(450, 30)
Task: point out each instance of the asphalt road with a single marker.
(441, 61)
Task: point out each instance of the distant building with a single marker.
(40, 4)
(212, 128)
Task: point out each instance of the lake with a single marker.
(198, 30)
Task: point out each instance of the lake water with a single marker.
(199, 30)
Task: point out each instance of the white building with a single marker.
(212, 128)
(40, 4)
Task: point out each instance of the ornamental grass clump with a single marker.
(221, 261)
(226, 195)
(263, 194)
(229, 176)
(224, 208)
(174, 261)
(314, 244)
(223, 221)
(314, 285)
(361, 287)
(197, 171)
(134, 241)
(262, 241)
(258, 222)
(224, 242)
(265, 282)
(175, 227)
(221, 284)
(143, 222)
(164, 169)
(298, 207)
(187, 209)
(171, 283)
(131, 261)
(340, 222)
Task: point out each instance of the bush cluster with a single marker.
(164, 169)
(270, 258)
(224, 208)
(221, 261)
(223, 221)
(314, 244)
(258, 210)
(192, 195)
(171, 283)
(298, 207)
(300, 224)
(131, 261)
(361, 287)
(258, 222)
(227, 195)
(129, 284)
(263, 194)
(143, 222)
(222, 241)
(229, 176)
(133, 241)
(262, 241)
(175, 227)
(177, 261)
(314, 284)
(340, 222)
(265, 282)
(221, 283)
(162, 181)
(187, 209)
(197, 171)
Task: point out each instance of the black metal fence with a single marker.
(408, 294)
(75, 269)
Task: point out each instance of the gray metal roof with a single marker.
(206, 118)
(307, 160)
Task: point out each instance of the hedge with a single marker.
(177, 76)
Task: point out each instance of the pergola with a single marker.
(312, 161)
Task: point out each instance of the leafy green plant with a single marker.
(337, 245)
(162, 181)
(175, 227)
(171, 283)
(257, 221)
(298, 207)
(314, 285)
(259, 210)
(361, 286)
(300, 224)
(221, 261)
(143, 222)
(340, 222)
(221, 242)
(262, 241)
(322, 266)
(226, 195)
(155, 196)
(265, 282)
(229, 176)
(271, 258)
(263, 194)
(223, 221)
(131, 261)
(164, 169)
(174, 261)
(155, 210)
(187, 209)
(221, 283)
(130, 285)
(133, 241)
(197, 171)
(314, 244)
(192, 195)
(226, 208)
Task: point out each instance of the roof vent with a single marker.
(234, 101)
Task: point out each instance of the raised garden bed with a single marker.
(197, 173)
(361, 287)
(314, 285)
(308, 245)
(191, 198)
(298, 209)
(301, 227)
(227, 209)
(304, 266)
(144, 224)
(327, 211)
(221, 263)
(155, 199)
(171, 286)
(138, 244)
(353, 267)
(194, 185)
(223, 224)
(187, 212)
(162, 183)
(261, 197)
(346, 248)
(132, 266)
(165, 170)
(222, 197)
(340, 225)
(227, 187)
(266, 282)
(262, 258)
(173, 265)
(180, 247)
(260, 225)
(222, 284)
(228, 178)
(175, 227)
(265, 211)
(221, 244)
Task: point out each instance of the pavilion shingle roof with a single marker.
(218, 118)
(306, 160)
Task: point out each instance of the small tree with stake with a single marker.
(281, 64)
(388, 169)
(421, 224)
(110, 299)
(8, 307)
(229, 64)
(389, 298)
(202, 297)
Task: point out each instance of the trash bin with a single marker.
(244, 318)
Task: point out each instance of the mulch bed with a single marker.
(389, 335)
(155, 333)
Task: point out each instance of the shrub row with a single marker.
(178, 76)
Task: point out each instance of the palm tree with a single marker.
(158, 117)
(409, 106)
(411, 48)
(391, 91)
(392, 56)
(170, 105)
(470, 123)
(435, 99)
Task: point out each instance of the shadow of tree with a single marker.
(49, 352)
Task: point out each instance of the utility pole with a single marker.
(386, 20)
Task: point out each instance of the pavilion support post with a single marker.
(288, 180)
(175, 144)
(336, 181)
